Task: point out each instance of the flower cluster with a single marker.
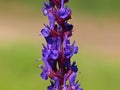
(57, 54)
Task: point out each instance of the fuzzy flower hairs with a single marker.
(57, 54)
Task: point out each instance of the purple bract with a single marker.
(57, 53)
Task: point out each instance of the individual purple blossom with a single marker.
(69, 50)
(64, 12)
(46, 31)
(46, 69)
(73, 85)
(57, 52)
(65, 86)
(48, 10)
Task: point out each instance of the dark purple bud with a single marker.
(46, 5)
(68, 63)
(52, 42)
(75, 49)
(49, 40)
(68, 27)
(53, 63)
(74, 67)
(51, 3)
(51, 86)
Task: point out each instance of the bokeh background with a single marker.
(96, 31)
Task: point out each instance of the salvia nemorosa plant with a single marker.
(57, 53)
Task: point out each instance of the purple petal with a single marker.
(46, 64)
(59, 42)
(45, 12)
(49, 40)
(57, 83)
(44, 75)
(45, 53)
(64, 12)
(72, 79)
(66, 41)
(64, 86)
(54, 54)
(45, 32)
(62, 3)
(68, 52)
(75, 49)
(54, 43)
(51, 20)
(74, 67)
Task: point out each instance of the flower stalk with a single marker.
(57, 53)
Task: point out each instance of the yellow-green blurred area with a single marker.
(96, 31)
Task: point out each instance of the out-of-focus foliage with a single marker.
(97, 6)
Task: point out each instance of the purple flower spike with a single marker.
(58, 51)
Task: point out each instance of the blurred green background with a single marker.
(96, 31)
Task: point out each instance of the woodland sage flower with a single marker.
(57, 52)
